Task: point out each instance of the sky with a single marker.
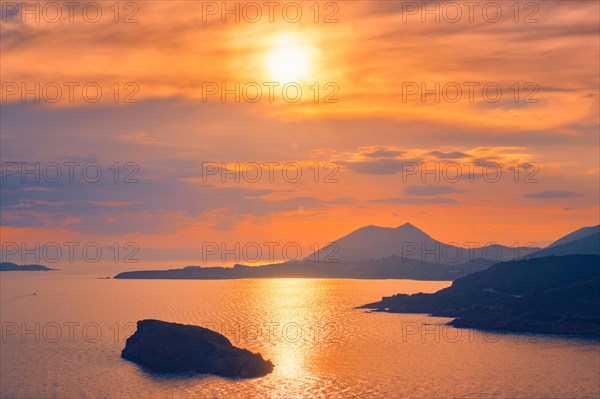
(295, 124)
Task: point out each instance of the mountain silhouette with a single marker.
(587, 245)
(576, 235)
(408, 241)
(372, 252)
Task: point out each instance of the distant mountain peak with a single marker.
(372, 226)
(375, 242)
(585, 241)
(406, 228)
(576, 235)
(411, 228)
(408, 225)
(406, 241)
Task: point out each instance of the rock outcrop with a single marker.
(551, 295)
(13, 267)
(170, 347)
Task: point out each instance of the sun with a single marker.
(289, 60)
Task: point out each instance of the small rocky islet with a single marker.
(161, 346)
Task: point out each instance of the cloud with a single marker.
(378, 167)
(155, 204)
(553, 194)
(141, 138)
(368, 87)
(171, 196)
(383, 153)
(415, 201)
(448, 155)
(431, 190)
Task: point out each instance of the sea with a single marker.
(63, 333)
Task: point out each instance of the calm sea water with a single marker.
(65, 342)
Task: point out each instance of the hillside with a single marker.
(555, 295)
(588, 245)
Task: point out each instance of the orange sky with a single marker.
(376, 57)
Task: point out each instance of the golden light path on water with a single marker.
(291, 296)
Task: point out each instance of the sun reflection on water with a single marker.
(293, 305)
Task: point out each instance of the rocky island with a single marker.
(549, 295)
(171, 347)
(13, 267)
